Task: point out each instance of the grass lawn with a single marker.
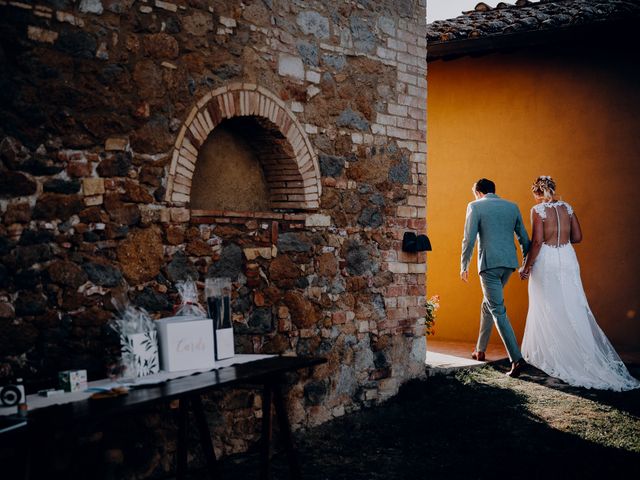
(475, 424)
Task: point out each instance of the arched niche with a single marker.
(269, 129)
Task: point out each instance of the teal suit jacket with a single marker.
(493, 221)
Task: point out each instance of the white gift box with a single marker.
(141, 349)
(186, 343)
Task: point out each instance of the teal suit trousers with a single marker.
(493, 311)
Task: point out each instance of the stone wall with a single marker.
(104, 107)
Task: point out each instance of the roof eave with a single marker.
(530, 38)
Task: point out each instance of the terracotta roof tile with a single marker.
(526, 16)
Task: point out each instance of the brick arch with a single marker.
(292, 171)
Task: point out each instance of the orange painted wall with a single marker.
(574, 115)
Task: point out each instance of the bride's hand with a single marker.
(524, 273)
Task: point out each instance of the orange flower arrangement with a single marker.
(433, 304)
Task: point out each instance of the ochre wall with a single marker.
(511, 117)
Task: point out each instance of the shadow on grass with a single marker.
(626, 401)
(445, 428)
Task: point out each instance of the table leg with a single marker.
(285, 431)
(183, 419)
(205, 435)
(265, 450)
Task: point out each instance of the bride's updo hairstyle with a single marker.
(544, 187)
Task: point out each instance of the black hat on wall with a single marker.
(415, 243)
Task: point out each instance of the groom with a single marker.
(494, 221)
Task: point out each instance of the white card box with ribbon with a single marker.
(186, 343)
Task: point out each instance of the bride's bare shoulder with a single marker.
(567, 206)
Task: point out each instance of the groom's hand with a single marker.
(464, 275)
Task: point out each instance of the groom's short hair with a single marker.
(485, 186)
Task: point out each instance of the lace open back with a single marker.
(556, 220)
(561, 336)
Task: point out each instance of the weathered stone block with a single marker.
(79, 169)
(198, 23)
(230, 263)
(6, 311)
(387, 25)
(290, 66)
(359, 260)
(303, 313)
(174, 234)
(401, 172)
(260, 321)
(315, 392)
(170, 7)
(331, 166)
(253, 253)
(283, 271)
(16, 184)
(293, 242)
(54, 205)
(30, 303)
(93, 186)
(58, 185)
(371, 217)
(93, 200)
(181, 268)
(121, 213)
(335, 61)
(27, 256)
(41, 35)
(136, 193)
(363, 38)
(103, 274)
(309, 54)
(152, 300)
(160, 45)
(116, 144)
(151, 175)
(349, 118)
(318, 220)
(79, 44)
(91, 6)
(199, 248)
(141, 255)
(312, 23)
(17, 213)
(228, 22)
(67, 274)
(115, 165)
(180, 215)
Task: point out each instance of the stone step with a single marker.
(444, 364)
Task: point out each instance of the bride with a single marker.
(561, 335)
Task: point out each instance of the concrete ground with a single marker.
(473, 423)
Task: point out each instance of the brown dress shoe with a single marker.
(478, 356)
(517, 368)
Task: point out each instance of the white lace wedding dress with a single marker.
(561, 335)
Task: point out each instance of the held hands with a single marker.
(464, 275)
(524, 272)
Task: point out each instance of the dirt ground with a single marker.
(475, 424)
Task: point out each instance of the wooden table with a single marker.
(267, 372)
